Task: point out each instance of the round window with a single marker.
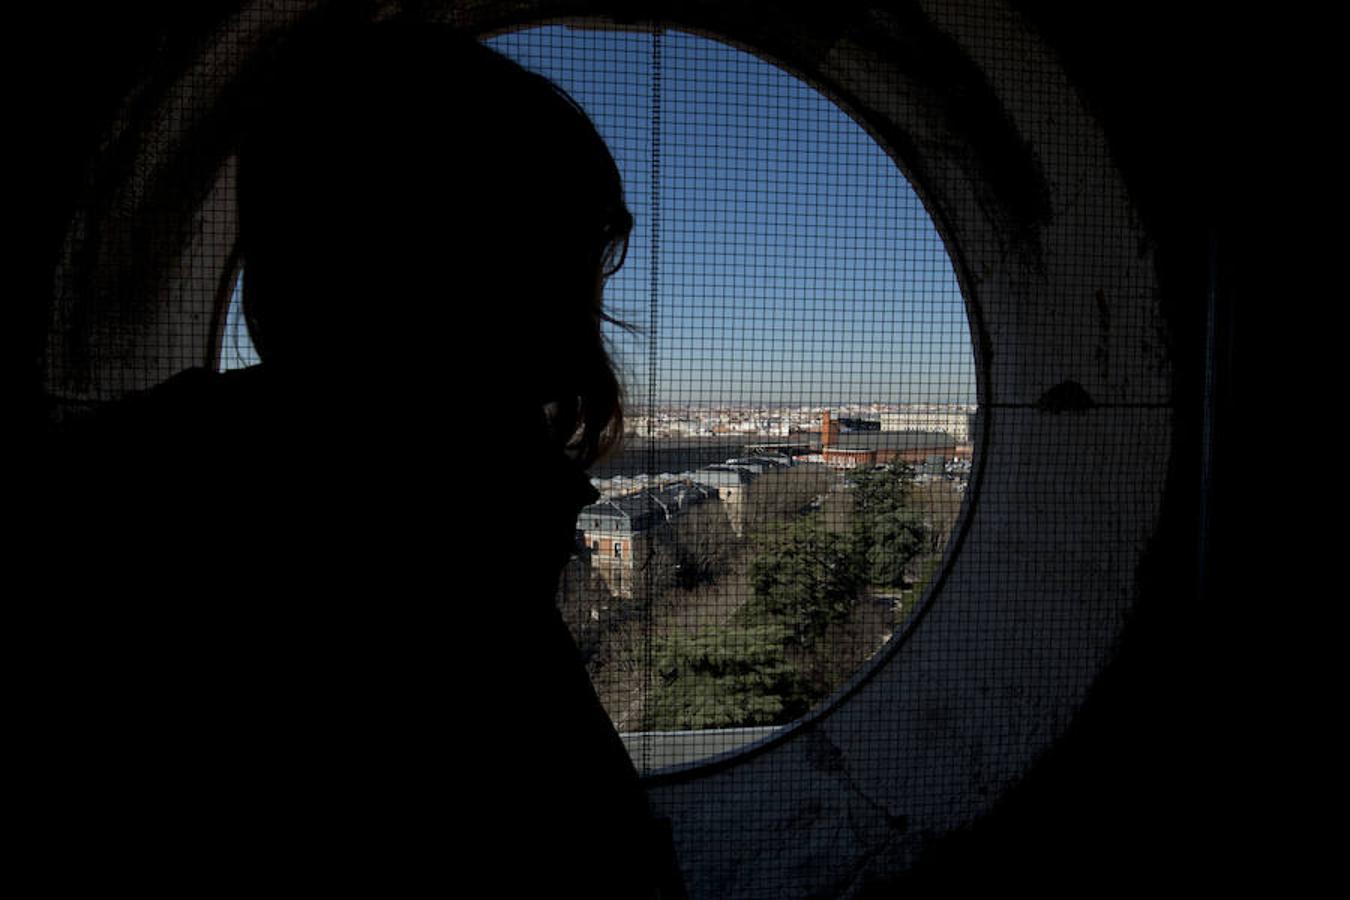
(801, 390)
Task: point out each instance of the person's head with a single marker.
(420, 214)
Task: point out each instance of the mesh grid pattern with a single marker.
(782, 270)
(799, 470)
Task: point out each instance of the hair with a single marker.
(409, 192)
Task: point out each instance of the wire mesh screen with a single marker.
(800, 394)
(823, 628)
(800, 383)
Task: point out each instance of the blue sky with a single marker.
(795, 264)
(236, 350)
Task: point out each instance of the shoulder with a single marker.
(185, 402)
(150, 446)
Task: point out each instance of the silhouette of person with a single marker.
(329, 652)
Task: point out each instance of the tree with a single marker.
(880, 490)
(725, 679)
(704, 544)
(888, 530)
(892, 542)
(780, 495)
(696, 548)
(805, 578)
(940, 501)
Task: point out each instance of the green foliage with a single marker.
(725, 679)
(755, 627)
(805, 578)
(881, 490)
(892, 542)
(888, 531)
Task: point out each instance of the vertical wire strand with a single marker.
(653, 313)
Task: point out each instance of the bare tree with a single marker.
(782, 495)
(940, 502)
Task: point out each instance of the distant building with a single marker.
(953, 420)
(915, 448)
(616, 531)
(841, 458)
(849, 450)
(787, 452)
(760, 464)
(730, 482)
(829, 430)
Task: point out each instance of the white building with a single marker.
(953, 420)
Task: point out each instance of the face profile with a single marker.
(408, 196)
